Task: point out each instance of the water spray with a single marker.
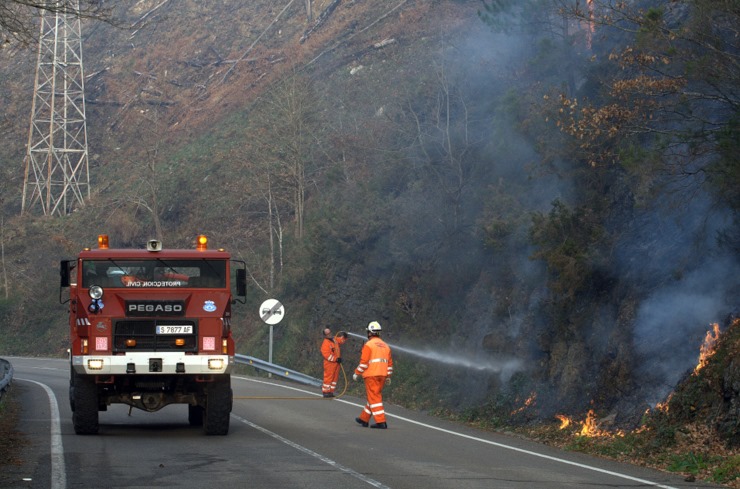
(505, 367)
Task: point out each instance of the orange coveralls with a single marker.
(330, 351)
(376, 365)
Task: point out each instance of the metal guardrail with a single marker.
(277, 370)
(6, 371)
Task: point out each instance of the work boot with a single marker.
(381, 426)
(363, 423)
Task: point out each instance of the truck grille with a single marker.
(144, 332)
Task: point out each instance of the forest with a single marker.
(537, 199)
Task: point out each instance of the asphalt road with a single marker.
(284, 436)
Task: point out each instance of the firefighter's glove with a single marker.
(339, 360)
(387, 381)
(354, 377)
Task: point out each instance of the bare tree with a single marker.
(276, 234)
(17, 16)
(291, 124)
(143, 190)
(444, 141)
(147, 199)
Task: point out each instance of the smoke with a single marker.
(665, 269)
(667, 254)
(672, 322)
(673, 252)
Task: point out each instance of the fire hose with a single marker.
(303, 398)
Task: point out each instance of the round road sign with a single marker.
(271, 311)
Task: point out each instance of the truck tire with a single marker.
(195, 415)
(72, 389)
(218, 407)
(85, 415)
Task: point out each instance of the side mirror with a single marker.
(64, 273)
(65, 270)
(241, 282)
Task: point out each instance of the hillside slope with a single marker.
(389, 161)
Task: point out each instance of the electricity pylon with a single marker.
(56, 162)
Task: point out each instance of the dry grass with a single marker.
(697, 453)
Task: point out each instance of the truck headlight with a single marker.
(96, 292)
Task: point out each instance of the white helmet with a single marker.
(374, 328)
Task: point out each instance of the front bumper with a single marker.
(152, 363)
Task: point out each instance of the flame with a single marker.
(706, 350)
(708, 347)
(642, 429)
(527, 403)
(564, 421)
(663, 406)
(589, 427)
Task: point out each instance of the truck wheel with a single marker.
(72, 389)
(195, 415)
(85, 415)
(218, 407)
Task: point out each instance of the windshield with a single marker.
(155, 273)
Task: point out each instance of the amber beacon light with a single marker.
(103, 241)
(202, 243)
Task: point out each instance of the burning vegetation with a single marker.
(696, 428)
(589, 426)
(565, 421)
(529, 402)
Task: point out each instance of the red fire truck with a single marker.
(152, 327)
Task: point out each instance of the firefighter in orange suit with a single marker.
(330, 350)
(376, 368)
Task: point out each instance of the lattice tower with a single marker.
(56, 163)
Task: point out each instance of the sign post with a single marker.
(271, 312)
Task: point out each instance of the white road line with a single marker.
(58, 473)
(488, 442)
(310, 452)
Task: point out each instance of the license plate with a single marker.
(175, 329)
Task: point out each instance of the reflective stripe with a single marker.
(376, 359)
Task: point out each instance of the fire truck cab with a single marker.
(151, 327)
